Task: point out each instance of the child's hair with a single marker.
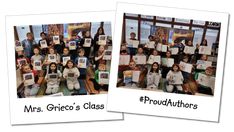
(151, 70)
(205, 42)
(81, 50)
(176, 66)
(52, 63)
(42, 33)
(29, 33)
(66, 48)
(23, 66)
(97, 33)
(132, 33)
(69, 62)
(150, 36)
(36, 48)
(211, 69)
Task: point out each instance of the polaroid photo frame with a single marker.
(87, 42)
(139, 101)
(85, 107)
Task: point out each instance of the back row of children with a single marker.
(61, 61)
(181, 68)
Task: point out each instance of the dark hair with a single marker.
(66, 48)
(36, 47)
(150, 36)
(71, 62)
(202, 42)
(29, 33)
(52, 63)
(97, 33)
(151, 70)
(81, 50)
(43, 33)
(176, 66)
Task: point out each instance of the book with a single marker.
(203, 64)
(153, 59)
(37, 65)
(208, 81)
(43, 44)
(56, 40)
(174, 50)
(139, 59)
(28, 79)
(168, 62)
(52, 58)
(103, 77)
(18, 46)
(189, 50)
(124, 59)
(205, 50)
(65, 59)
(107, 55)
(186, 67)
(82, 62)
(102, 40)
(133, 43)
(87, 42)
(72, 45)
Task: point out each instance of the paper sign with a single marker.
(151, 44)
(124, 59)
(82, 63)
(21, 62)
(205, 50)
(37, 65)
(52, 58)
(65, 59)
(87, 42)
(107, 55)
(56, 40)
(135, 76)
(206, 80)
(189, 49)
(72, 45)
(103, 77)
(186, 67)
(174, 51)
(168, 62)
(133, 43)
(102, 40)
(43, 44)
(203, 64)
(18, 46)
(28, 79)
(153, 59)
(139, 59)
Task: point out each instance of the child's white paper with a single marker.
(21, 62)
(124, 59)
(102, 40)
(153, 59)
(56, 40)
(87, 42)
(186, 67)
(205, 80)
(103, 77)
(65, 59)
(82, 62)
(151, 44)
(205, 50)
(168, 62)
(164, 48)
(136, 76)
(18, 46)
(133, 43)
(52, 58)
(159, 47)
(43, 44)
(72, 45)
(37, 65)
(203, 64)
(28, 79)
(107, 55)
(139, 59)
(189, 50)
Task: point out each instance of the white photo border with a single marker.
(127, 100)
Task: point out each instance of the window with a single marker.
(131, 26)
(22, 32)
(37, 29)
(94, 28)
(182, 20)
(198, 22)
(163, 25)
(163, 18)
(198, 33)
(107, 28)
(211, 36)
(181, 27)
(145, 31)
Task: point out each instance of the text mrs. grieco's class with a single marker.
(59, 107)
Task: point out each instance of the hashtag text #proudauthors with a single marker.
(167, 102)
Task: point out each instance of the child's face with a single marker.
(81, 53)
(209, 72)
(155, 66)
(26, 69)
(132, 65)
(168, 54)
(53, 67)
(87, 34)
(190, 43)
(20, 53)
(73, 37)
(175, 68)
(29, 37)
(65, 51)
(204, 57)
(140, 51)
(185, 59)
(123, 47)
(155, 52)
(132, 35)
(36, 51)
(70, 64)
(100, 31)
(101, 48)
(102, 67)
(51, 51)
(43, 36)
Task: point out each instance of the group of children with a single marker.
(60, 62)
(179, 68)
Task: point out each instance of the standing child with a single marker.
(153, 76)
(43, 38)
(65, 57)
(30, 90)
(52, 57)
(71, 73)
(53, 79)
(29, 43)
(21, 59)
(100, 31)
(36, 57)
(82, 63)
(99, 56)
(175, 79)
(73, 52)
(87, 48)
(132, 49)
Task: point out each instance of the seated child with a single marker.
(153, 76)
(36, 56)
(82, 63)
(53, 79)
(21, 59)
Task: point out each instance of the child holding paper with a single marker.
(128, 74)
(71, 73)
(174, 79)
(124, 50)
(100, 31)
(29, 43)
(150, 45)
(52, 57)
(73, 52)
(165, 66)
(208, 86)
(96, 83)
(65, 57)
(99, 56)
(132, 50)
(87, 46)
(53, 79)
(82, 63)
(44, 50)
(21, 59)
(153, 76)
(32, 89)
(36, 57)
